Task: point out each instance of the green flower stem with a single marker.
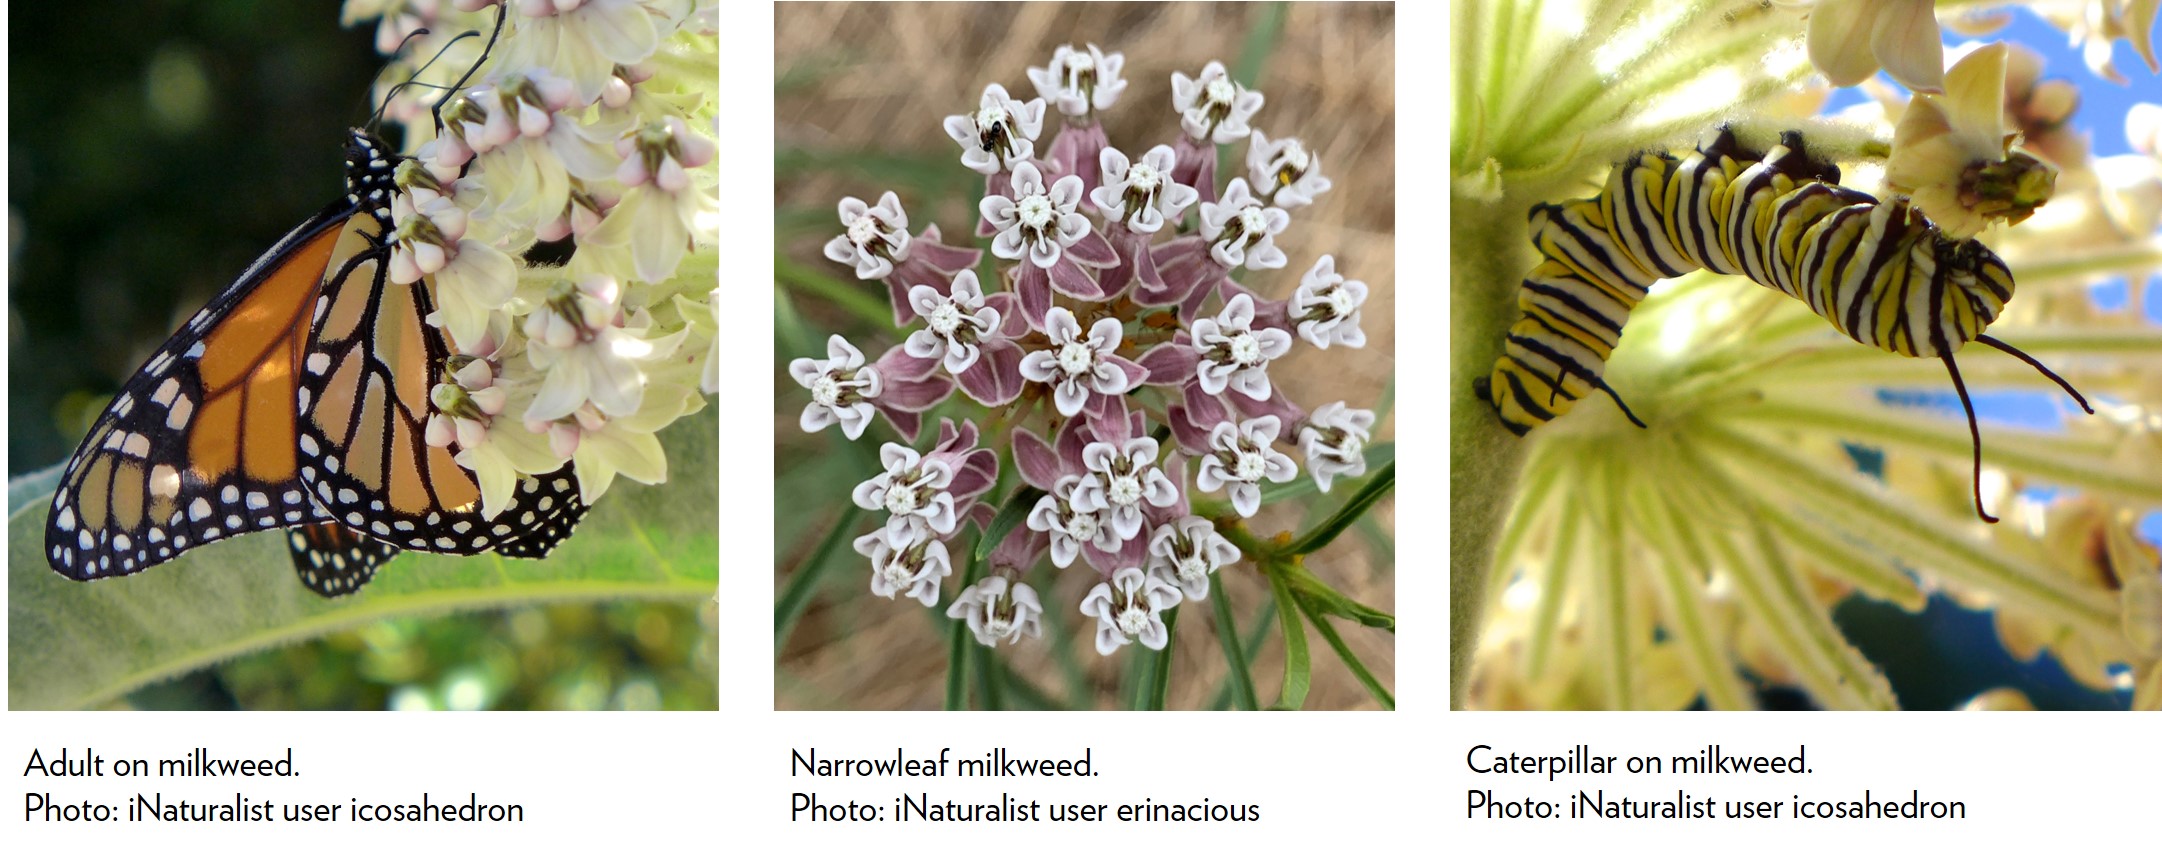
(1298, 663)
(1059, 629)
(1859, 365)
(957, 644)
(1326, 532)
(1923, 535)
(1873, 574)
(1241, 683)
(1025, 696)
(1540, 477)
(1617, 620)
(1358, 667)
(804, 581)
(1683, 593)
(1774, 597)
(2047, 456)
(1159, 683)
(989, 673)
(1234, 530)
(1553, 589)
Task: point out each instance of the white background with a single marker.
(1336, 779)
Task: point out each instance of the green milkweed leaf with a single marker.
(76, 645)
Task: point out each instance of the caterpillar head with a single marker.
(1976, 275)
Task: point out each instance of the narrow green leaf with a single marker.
(1378, 539)
(855, 298)
(1241, 684)
(76, 645)
(1358, 667)
(1010, 515)
(791, 336)
(1377, 457)
(797, 596)
(1323, 598)
(1260, 41)
(1326, 532)
(1255, 636)
(1298, 663)
(1024, 695)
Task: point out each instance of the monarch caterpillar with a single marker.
(1881, 272)
(296, 399)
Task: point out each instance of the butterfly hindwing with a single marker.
(557, 509)
(371, 362)
(333, 559)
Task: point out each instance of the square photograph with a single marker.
(1804, 356)
(445, 443)
(1082, 400)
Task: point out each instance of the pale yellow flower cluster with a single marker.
(583, 126)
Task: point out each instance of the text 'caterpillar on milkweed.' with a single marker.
(1880, 272)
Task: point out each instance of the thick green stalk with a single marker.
(1484, 458)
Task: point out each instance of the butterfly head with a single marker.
(370, 168)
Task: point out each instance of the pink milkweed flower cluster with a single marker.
(1116, 357)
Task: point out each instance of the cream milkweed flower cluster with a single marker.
(1124, 361)
(589, 125)
(1699, 561)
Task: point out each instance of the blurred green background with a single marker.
(155, 148)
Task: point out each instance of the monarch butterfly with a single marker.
(296, 399)
(1882, 273)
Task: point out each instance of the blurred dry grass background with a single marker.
(861, 90)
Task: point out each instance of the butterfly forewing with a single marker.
(199, 444)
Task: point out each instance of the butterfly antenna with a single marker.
(2037, 365)
(414, 80)
(1973, 429)
(497, 32)
(377, 115)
